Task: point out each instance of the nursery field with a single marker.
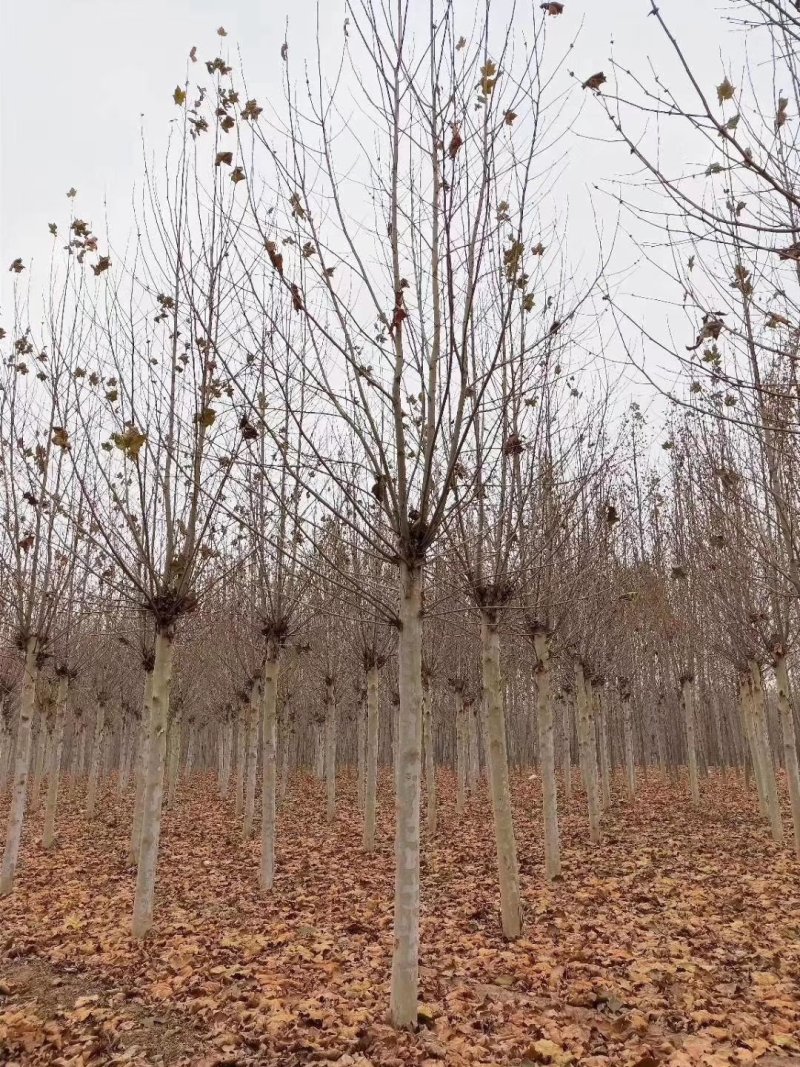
(675, 941)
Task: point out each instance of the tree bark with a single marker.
(330, 750)
(371, 779)
(630, 762)
(461, 756)
(789, 746)
(588, 753)
(547, 757)
(154, 785)
(497, 765)
(97, 753)
(22, 756)
(687, 707)
(251, 761)
(141, 770)
(57, 750)
(430, 768)
(762, 743)
(269, 756)
(405, 960)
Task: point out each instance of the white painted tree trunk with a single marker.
(588, 752)
(22, 756)
(687, 707)
(761, 737)
(97, 755)
(371, 779)
(547, 757)
(330, 751)
(154, 786)
(142, 765)
(405, 959)
(630, 765)
(428, 754)
(57, 750)
(789, 746)
(499, 785)
(268, 785)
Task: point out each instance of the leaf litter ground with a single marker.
(675, 942)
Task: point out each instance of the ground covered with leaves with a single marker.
(675, 942)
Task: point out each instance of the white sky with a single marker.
(80, 78)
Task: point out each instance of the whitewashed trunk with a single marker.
(405, 959)
(789, 746)
(22, 756)
(371, 779)
(154, 786)
(330, 751)
(499, 785)
(547, 757)
(51, 804)
(270, 730)
(587, 749)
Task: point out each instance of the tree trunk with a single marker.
(405, 959)
(588, 753)
(497, 766)
(269, 757)
(371, 758)
(761, 738)
(566, 752)
(461, 756)
(154, 785)
(630, 763)
(601, 718)
(547, 757)
(430, 768)
(22, 756)
(330, 750)
(241, 759)
(251, 760)
(473, 760)
(97, 753)
(687, 707)
(142, 764)
(57, 750)
(789, 746)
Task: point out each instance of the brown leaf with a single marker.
(17, 265)
(553, 7)
(595, 82)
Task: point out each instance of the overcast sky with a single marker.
(82, 78)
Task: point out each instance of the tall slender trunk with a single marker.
(405, 960)
(241, 759)
(587, 749)
(601, 718)
(630, 763)
(361, 751)
(174, 737)
(461, 755)
(251, 762)
(57, 750)
(39, 752)
(566, 750)
(154, 785)
(754, 762)
(789, 745)
(761, 737)
(497, 765)
(428, 754)
(22, 756)
(97, 755)
(371, 779)
(687, 707)
(330, 749)
(547, 756)
(269, 757)
(473, 759)
(142, 764)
